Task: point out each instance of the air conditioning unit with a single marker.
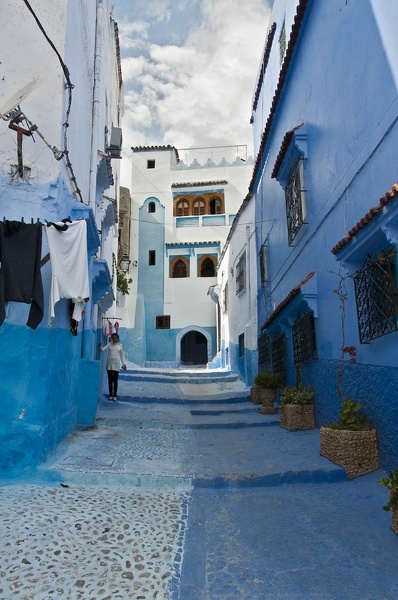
(115, 145)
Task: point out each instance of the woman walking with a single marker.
(115, 359)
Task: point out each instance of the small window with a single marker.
(182, 208)
(152, 258)
(241, 343)
(150, 164)
(199, 207)
(295, 200)
(215, 206)
(151, 207)
(376, 293)
(180, 269)
(303, 336)
(278, 353)
(241, 274)
(207, 268)
(264, 350)
(163, 322)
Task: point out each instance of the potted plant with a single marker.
(351, 442)
(297, 408)
(391, 483)
(264, 390)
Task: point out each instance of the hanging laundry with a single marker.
(20, 276)
(117, 327)
(110, 329)
(69, 263)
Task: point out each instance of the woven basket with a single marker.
(262, 396)
(355, 451)
(394, 523)
(297, 416)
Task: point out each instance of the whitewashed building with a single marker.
(61, 101)
(237, 287)
(183, 205)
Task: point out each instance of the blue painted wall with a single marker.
(151, 278)
(44, 396)
(245, 366)
(343, 85)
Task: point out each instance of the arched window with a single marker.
(182, 208)
(199, 207)
(151, 207)
(207, 266)
(216, 206)
(179, 267)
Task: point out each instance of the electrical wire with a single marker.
(69, 86)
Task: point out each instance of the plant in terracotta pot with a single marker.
(264, 390)
(350, 442)
(297, 408)
(391, 483)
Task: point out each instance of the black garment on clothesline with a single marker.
(20, 276)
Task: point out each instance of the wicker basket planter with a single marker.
(266, 397)
(297, 416)
(355, 451)
(394, 523)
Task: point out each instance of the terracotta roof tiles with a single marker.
(367, 218)
(283, 149)
(199, 183)
(298, 20)
(286, 301)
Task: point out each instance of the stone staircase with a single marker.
(191, 429)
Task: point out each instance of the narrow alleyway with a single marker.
(183, 491)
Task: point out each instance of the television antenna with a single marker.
(11, 108)
(12, 112)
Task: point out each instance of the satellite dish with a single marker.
(17, 98)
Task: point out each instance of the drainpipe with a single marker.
(99, 27)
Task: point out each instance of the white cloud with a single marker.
(199, 93)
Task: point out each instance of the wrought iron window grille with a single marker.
(279, 353)
(303, 333)
(241, 273)
(376, 296)
(295, 200)
(264, 350)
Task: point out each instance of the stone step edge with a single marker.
(185, 401)
(179, 380)
(127, 480)
(159, 425)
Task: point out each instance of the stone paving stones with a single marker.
(82, 543)
(175, 496)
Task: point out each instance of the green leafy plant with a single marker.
(269, 381)
(391, 483)
(297, 395)
(122, 281)
(351, 418)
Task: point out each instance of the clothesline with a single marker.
(47, 257)
(33, 220)
(111, 319)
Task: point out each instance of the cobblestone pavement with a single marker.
(89, 542)
(189, 496)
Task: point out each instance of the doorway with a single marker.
(194, 349)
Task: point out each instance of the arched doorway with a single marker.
(193, 348)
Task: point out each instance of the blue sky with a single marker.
(189, 69)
